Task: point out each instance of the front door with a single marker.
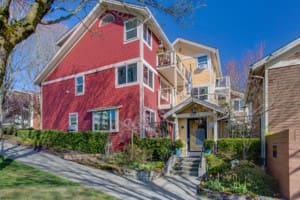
(197, 132)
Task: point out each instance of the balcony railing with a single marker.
(223, 82)
(167, 59)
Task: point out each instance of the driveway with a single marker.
(173, 187)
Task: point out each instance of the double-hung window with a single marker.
(202, 62)
(131, 30)
(147, 35)
(79, 85)
(200, 92)
(148, 77)
(127, 74)
(105, 120)
(238, 105)
(150, 118)
(73, 122)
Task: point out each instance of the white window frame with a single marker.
(83, 85)
(207, 64)
(168, 91)
(110, 128)
(76, 114)
(151, 111)
(240, 107)
(125, 31)
(126, 84)
(108, 14)
(148, 34)
(202, 86)
(148, 72)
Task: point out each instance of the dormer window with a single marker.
(109, 18)
(202, 62)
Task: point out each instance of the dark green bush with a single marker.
(209, 144)
(236, 148)
(87, 142)
(162, 148)
(216, 164)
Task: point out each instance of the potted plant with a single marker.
(178, 144)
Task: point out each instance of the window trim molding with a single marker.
(101, 21)
(151, 38)
(153, 78)
(150, 110)
(239, 100)
(208, 90)
(117, 120)
(83, 85)
(117, 85)
(76, 114)
(208, 61)
(125, 41)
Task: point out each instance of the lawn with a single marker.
(19, 181)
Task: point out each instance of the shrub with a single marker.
(87, 142)
(214, 184)
(209, 144)
(234, 147)
(161, 147)
(216, 164)
(178, 144)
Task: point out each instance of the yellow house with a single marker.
(198, 103)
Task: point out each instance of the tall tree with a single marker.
(238, 70)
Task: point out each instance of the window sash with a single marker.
(148, 77)
(238, 104)
(131, 29)
(147, 35)
(202, 62)
(150, 118)
(73, 121)
(79, 84)
(200, 92)
(127, 74)
(105, 120)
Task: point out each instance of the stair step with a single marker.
(185, 168)
(189, 173)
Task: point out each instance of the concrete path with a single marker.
(174, 187)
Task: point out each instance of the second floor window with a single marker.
(147, 34)
(79, 85)
(105, 120)
(238, 105)
(127, 74)
(202, 62)
(148, 77)
(130, 29)
(200, 93)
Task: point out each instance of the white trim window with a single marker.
(150, 118)
(238, 105)
(130, 29)
(200, 92)
(147, 35)
(79, 85)
(127, 74)
(73, 122)
(108, 18)
(148, 77)
(105, 120)
(202, 62)
(165, 90)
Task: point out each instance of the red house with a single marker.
(116, 71)
(104, 76)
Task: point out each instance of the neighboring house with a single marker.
(21, 110)
(122, 73)
(273, 98)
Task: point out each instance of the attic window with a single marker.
(109, 18)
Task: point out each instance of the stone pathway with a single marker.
(173, 187)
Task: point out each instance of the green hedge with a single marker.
(235, 146)
(86, 142)
(162, 148)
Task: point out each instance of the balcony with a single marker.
(172, 68)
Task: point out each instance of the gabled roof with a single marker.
(72, 36)
(201, 46)
(190, 101)
(275, 54)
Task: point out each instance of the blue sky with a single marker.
(236, 26)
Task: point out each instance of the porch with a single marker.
(195, 121)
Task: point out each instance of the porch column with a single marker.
(215, 127)
(176, 129)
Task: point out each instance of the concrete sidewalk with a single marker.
(173, 187)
